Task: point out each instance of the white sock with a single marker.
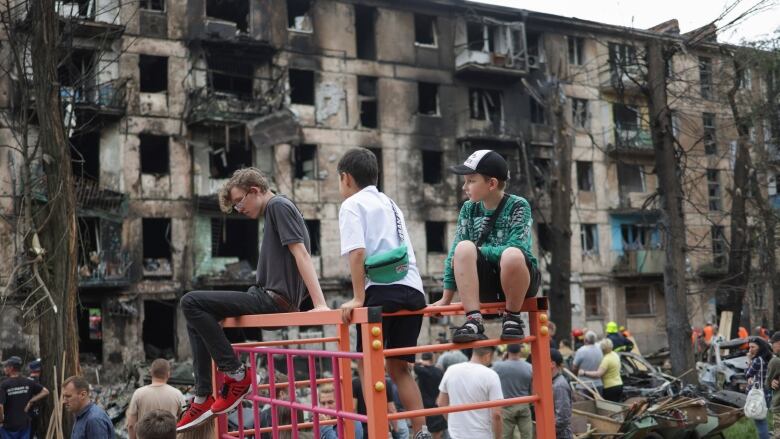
(199, 399)
(237, 374)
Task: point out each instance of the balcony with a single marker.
(91, 200)
(491, 49)
(632, 140)
(105, 269)
(541, 134)
(105, 101)
(623, 79)
(640, 263)
(209, 105)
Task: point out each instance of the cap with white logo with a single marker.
(486, 162)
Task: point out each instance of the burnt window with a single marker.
(544, 235)
(593, 302)
(427, 99)
(585, 176)
(367, 96)
(232, 76)
(365, 33)
(301, 86)
(576, 50)
(589, 239)
(481, 37)
(90, 327)
(541, 170)
(155, 158)
(710, 136)
(718, 236)
(154, 73)
(75, 74)
(380, 176)
(234, 237)
(435, 236)
(306, 162)
(85, 155)
(152, 5)
(157, 238)
(230, 150)
(713, 190)
(705, 77)
(313, 226)
(639, 301)
(536, 110)
(485, 105)
(89, 237)
(235, 11)
(298, 15)
(579, 113)
(630, 177)
(431, 161)
(425, 29)
(159, 329)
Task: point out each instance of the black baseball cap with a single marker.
(13, 362)
(486, 162)
(556, 357)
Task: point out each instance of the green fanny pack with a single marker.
(391, 265)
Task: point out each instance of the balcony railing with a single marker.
(636, 262)
(206, 103)
(625, 77)
(89, 196)
(105, 268)
(108, 96)
(633, 139)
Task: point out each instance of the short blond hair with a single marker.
(606, 345)
(160, 368)
(245, 178)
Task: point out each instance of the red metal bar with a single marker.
(252, 431)
(337, 395)
(291, 394)
(272, 394)
(255, 344)
(342, 371)
(255, 390)
(309, 408)
(302, 383)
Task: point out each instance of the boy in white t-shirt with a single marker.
(369, 223)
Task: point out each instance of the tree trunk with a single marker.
(670, 189)
(56, 220)
(731, 292)
(560, 211)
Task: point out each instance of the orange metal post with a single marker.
(542, 382)
(374, 388)
(345, 371)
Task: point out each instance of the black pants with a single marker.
(203, 311)
(614, 393)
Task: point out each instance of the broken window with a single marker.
(232, 76)
(435, 236)
(230, 150)
(89, 241)
(626, 118)
(77, 8)
(745, 78)
(713, 189)
(301, 86)
(541, 169)
(593, 302)
(156, 246)
(639, 301)
(710, 136)
(154, 73)
(636, 237)
(152, 5)
(485, 105)
(579, 113)
(623, 63)
(544, 236)
(298, 17)
(718, 236)
(306, 162)
(589, 239)
(537, 111)
(235, 11)
(630, 177)
(367, 97)
(427, 99)
(576, 45)
(90, 324)
(234, 238)
(85, 155)
(159, 329)
(155, 158)
(431, 161)
(475, 36)
(705, 77)
(76, 76)
(365, 33)
(425, 30)
(313, 226)
(380, 176)
(585, 176)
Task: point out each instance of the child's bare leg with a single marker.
(515, 278)
(464, 264)
(408, 392)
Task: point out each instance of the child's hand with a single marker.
(346, 309)
(320, 308)
(446, 298)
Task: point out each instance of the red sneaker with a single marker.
(233, 392)
(196, 414)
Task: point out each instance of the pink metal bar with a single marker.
(255, 391)
(272, 394)
(240, 422)
(315, 399)
(337, 395)
(291, 392)
(452, 346)
(309, 408)
(316, 353)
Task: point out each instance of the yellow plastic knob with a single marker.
(379, 386)
(376, 345)
(375, 331)
(543, 318)
(544, 330)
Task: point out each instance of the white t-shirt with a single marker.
(467, 383)
(366, 220)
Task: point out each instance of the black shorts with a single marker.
(401, 331)
(489, 275)
(436, 423)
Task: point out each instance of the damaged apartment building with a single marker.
(181, 93)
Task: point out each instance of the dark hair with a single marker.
(514, 348)
(157, 424)
(427, 356)
(764, 350)
(483, 350)
(361, 164)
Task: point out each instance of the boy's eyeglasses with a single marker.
(240, 205)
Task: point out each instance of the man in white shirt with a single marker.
(472, 382)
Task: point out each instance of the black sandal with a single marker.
(470, 331)
(512, 328)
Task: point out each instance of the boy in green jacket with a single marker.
(495, 266)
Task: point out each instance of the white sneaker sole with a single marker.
(236, 403)
(205, 416)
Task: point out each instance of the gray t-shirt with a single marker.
(589, 358)
(515, 376)
(447, 359)
(276, 267)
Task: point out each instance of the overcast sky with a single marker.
(646, 13)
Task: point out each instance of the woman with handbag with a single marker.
(759, 354)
